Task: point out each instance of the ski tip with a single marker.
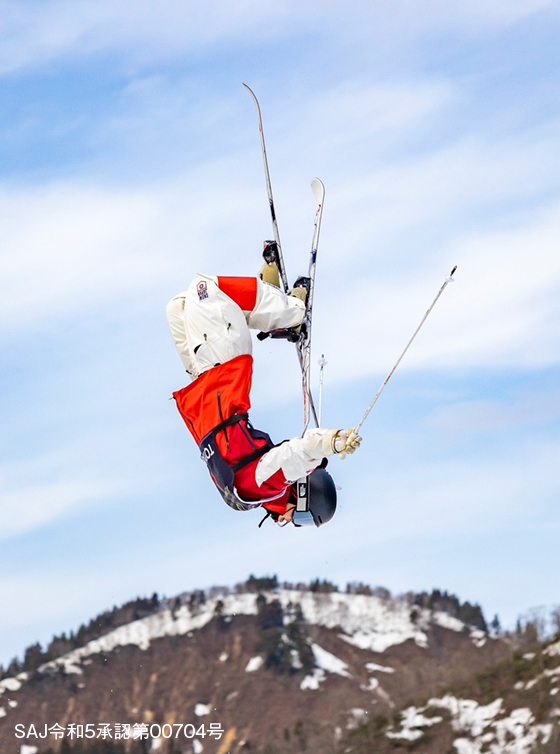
(318, 190)
(255, 100)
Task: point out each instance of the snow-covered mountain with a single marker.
(287, 670)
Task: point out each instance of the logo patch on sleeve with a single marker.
(202, 290)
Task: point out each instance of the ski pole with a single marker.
(304, 344)
(448, 279)
(322, 362)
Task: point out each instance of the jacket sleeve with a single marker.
(297, 457)
(274, 309)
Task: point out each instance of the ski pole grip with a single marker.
(262, 336)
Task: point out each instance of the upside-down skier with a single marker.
(210, 324)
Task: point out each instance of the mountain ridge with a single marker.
(341, 672)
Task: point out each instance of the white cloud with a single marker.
(532, 409)
(36, 491)
(68, 247)
(64, 246)
(484, 320)
(355, 110)
(467, 498)
(35, 34)
(392, 231)
(500, 311)
(448, 186)
(29, 507)
(503, 314)
(475, 16)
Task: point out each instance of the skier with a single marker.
(209, 323)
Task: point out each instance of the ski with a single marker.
(304, 344)
(281, 265)
(302, 340)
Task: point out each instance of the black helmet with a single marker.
(316, 499)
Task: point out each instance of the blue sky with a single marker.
(130, 159)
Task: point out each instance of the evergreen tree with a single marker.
(323, 587)
(33, 658)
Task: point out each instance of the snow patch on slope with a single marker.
(373, 667)
(366, 622)
(467, 714)
(445, 620)
(313, 680)
(412, 721)
(329, 662)
(326, 663)
(547, 673)
(441, 618)
(255, 663)
(9, 684)
(553, 649)
(488, 728)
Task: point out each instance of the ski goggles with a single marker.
(302, 514)
(303, 518)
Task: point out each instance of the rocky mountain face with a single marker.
(285, 670)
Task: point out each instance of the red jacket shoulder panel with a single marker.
(241, 290)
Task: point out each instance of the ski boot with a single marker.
(299, 290)
(269, 272)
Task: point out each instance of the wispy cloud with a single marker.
(475, 16)
(37, 34)
(25, 507)
(534, 409)
(65, 246)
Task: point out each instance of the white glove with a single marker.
(318, 443)
(346, 441)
